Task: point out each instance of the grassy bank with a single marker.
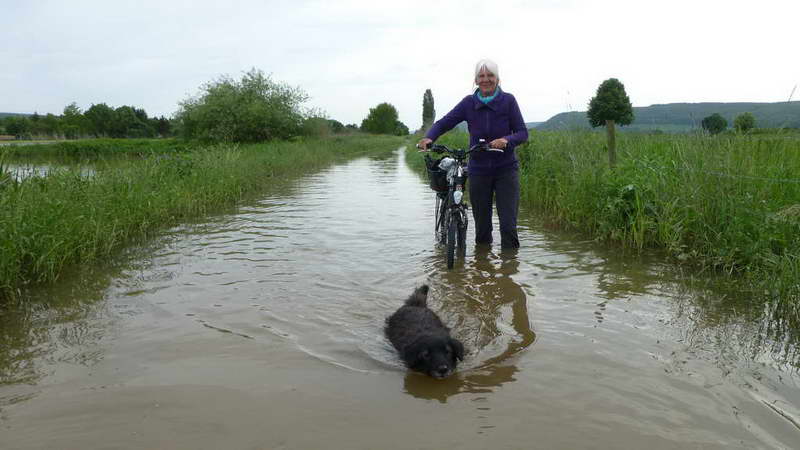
(726, 204)
(97, 148)
(50, 223)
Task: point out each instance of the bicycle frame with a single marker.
(451, 218)
(452, 201)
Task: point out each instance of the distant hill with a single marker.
(676, 117)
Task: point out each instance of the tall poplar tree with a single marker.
(428, 111)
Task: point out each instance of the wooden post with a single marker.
(612, 143)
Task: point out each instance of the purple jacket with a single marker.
(498, 118)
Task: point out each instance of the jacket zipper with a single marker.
(491, 160)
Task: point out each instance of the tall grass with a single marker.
(717, 202)
(50, 223)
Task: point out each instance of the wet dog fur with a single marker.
(422, 340)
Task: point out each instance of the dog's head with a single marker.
(436, 356)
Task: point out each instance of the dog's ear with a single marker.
(458, 348)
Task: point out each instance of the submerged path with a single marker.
(261, 327)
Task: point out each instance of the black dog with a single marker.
(422, 339)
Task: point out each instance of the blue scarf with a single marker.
(486, 100)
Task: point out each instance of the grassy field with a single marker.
(68, 218)
(728, 204)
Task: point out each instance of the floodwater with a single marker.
(261, 328)
(19, 169)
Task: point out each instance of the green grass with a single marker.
(98, 148)
(715, 202)
(64, 219)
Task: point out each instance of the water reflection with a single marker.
(48, 326)
(720, 320)
(20, 170)
(490, 311)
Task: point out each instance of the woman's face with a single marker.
(486, 81)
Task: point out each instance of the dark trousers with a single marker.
(505, 190)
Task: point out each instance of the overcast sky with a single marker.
(349, 56)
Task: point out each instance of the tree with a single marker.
(252, 109)
(162, 126)
(714, 123)
(100, 118)
(18, 126)
(428, 111)
(127, 123)
(37, 125)
(74, 124)
(610, 105)
(382, 119)
(744, 122)
(51, 125)
(317, 126)
(336, 126)
(400, 129)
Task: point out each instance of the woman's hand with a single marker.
(423, 144)
(500, 143)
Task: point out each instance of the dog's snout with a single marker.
(443, 370)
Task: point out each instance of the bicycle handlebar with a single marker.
(482, 146)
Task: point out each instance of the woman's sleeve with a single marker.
(450, 120)
(519, 131)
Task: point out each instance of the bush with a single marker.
(714, 124)
(316, 127)
(254, 109)
(744, 122)
(382, 119)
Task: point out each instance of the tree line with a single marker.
(99, 120)
(254, 108)
(257, 108)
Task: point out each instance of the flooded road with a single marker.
(261, 328)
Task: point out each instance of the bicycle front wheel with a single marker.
(461, 233)
(441, 220)
(452, 231)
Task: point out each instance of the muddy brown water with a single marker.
(261, 328)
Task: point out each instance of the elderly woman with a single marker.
(493, 115)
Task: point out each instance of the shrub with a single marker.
(253, 109)
(714, 124)
(744, 122)
(382, 119)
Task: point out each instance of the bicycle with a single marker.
(448, 177)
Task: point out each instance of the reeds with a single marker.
(711, 201)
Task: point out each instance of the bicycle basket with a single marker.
(436, 176)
